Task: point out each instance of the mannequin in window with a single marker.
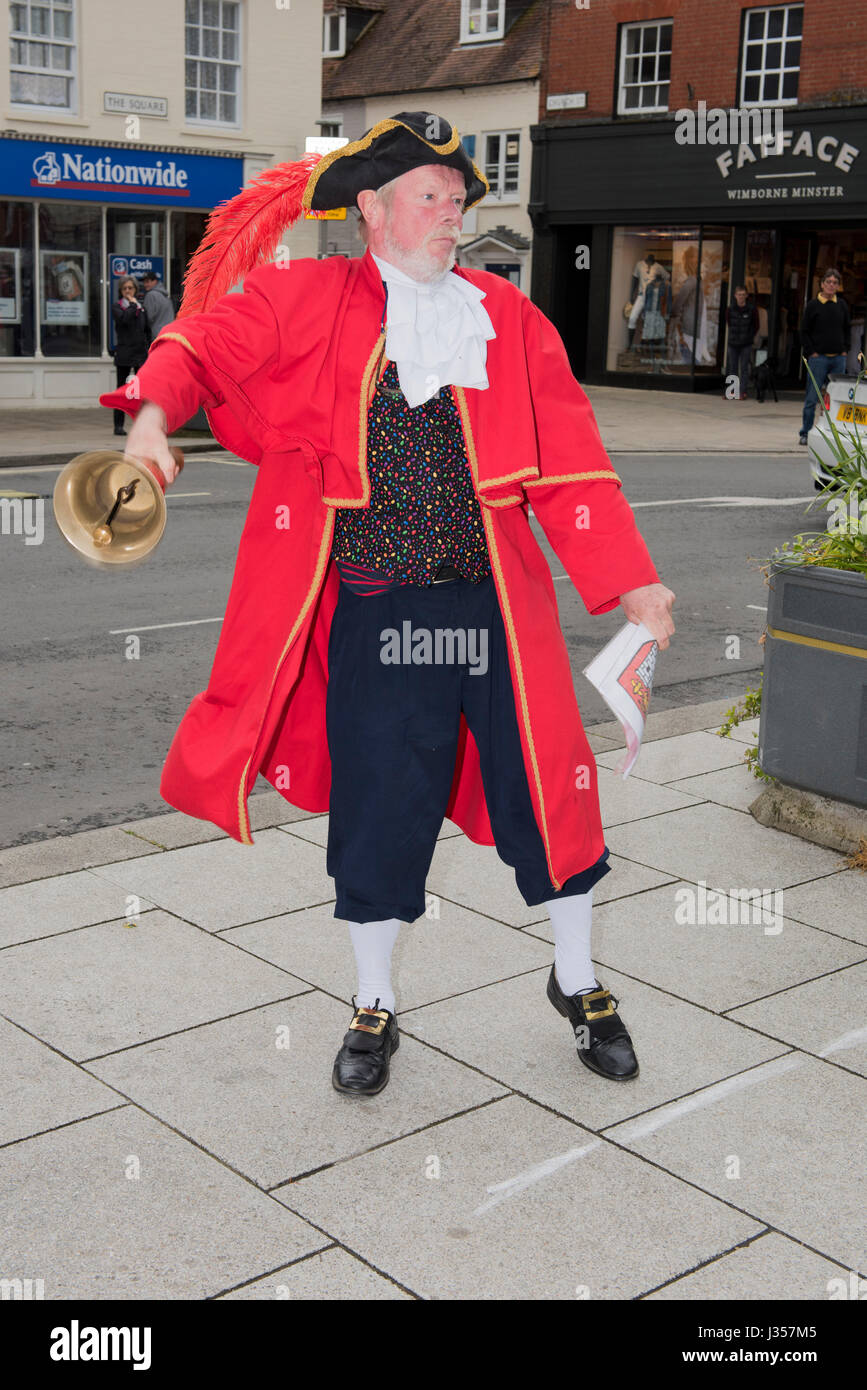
(642, 273)
(656, 306)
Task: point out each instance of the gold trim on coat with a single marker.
(575, 477)
(161, 337)
(321, 562)
(365, 397)
(355, 147)
(510, 626)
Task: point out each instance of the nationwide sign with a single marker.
(117, 174)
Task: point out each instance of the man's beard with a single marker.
(416, 261)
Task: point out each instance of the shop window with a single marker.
(771, 56)
(502, 161)
(645, 67)
(70, 266)
(482, 19)
(212, 61)
(668, 289)
(186, 231)
(42, 54)
(17, 336)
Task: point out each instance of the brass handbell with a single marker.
(111, 507)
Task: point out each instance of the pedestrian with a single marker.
(826, 333)
(743, 324)
(157, 305)
(131, 339)
(403, 413)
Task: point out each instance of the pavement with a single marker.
(172, 1002)
(631, 421)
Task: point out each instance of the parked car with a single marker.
(846, 403)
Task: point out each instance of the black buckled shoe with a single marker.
(361, 1066)
(603, 1042)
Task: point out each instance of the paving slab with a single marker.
(716, 965)
(117, 1206)
(332, 1275)
(433, 958)
(49, 906)
(476, 877)
(731, 786)
(497, 1204)
(40, 1090)
(256, 1090)
(110, 986)
(631, 798)
(768, 1268)
(793, 1130)
(685, 755)
(46, 858)
(745, 732)
(825, 1017)
(224, 883)
(725, 849)
(679, 1047)
(837, 903)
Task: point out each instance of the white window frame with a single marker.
(622, 108)
(764, 71)
(340, 50)
(495, 196)
(487, 31)
(236, 63)
(336, 133)
(71, 72)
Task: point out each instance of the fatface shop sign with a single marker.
(794, 166)
(802, 165)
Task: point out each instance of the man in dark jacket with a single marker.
(158, 308)
(825, 335)
(743, 324)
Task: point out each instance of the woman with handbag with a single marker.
(130, 330)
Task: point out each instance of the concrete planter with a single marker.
(813, 726)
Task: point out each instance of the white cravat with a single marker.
(437, 333)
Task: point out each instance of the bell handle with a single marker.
(157, 473)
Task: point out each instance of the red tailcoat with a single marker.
(286, 370)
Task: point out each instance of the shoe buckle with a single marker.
(377, 1028)
(591, 1013)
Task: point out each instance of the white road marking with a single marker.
(762, 607)
(512, 1186)
(725, 502)
(649, 1124)
(173, 496)
(152, 627)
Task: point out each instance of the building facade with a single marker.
(122, 131)
(685, 148)
(477, 65)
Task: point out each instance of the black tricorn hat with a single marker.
(390, 148)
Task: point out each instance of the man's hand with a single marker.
(148, 440)
(651, 605)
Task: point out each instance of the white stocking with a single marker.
(373, 943)
(571, 920)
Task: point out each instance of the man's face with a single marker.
(741, 298)
(830, 285)
(148, 282)
(418, 230)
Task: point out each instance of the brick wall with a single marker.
(582, 52)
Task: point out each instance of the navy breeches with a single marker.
(393, 725)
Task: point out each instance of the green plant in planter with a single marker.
(841, 545)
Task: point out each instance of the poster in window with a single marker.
(64, 287)
(10, 284)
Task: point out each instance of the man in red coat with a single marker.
(391, 649)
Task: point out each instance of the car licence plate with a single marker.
(856, 413)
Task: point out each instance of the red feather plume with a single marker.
(244, 231)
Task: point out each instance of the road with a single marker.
(86, 727)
